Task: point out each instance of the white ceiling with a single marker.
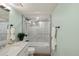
(34, 8)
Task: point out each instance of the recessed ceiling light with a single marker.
(37, 18)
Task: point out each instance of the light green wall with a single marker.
(67, 17)
(15, 18)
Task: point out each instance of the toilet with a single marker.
(31, 51)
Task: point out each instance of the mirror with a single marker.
(4, 19)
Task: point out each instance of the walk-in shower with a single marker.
(38, 32)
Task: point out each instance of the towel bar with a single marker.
(57, 27)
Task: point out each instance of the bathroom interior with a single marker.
(39, 29)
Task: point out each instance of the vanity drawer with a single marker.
(23, 52)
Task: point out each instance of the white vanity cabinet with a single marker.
(16, 49)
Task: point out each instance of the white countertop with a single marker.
(12, 49)
(15, 48)
(39, 44)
